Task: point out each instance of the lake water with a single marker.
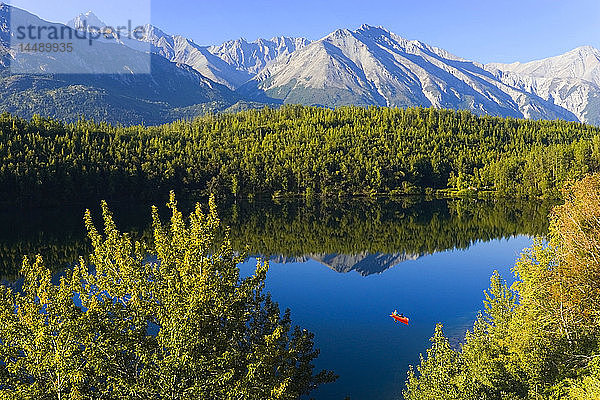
(349, 313)
(341, 267)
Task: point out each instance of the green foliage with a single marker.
(289, 227)
(437, 372)
(177, 324)
(484, 367)
(297, 150)
(405, 225)
(540, 338)
(586, 386)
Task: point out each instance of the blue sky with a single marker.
(481, 30)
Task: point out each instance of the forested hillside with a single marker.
(298, 150)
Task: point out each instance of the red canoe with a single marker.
(400, 318)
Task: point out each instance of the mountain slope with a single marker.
(570, 80)
(372, 66)
(580, 63)
(252, 57)
(181, 50)
(368, 66)
(174, 48)
(167, 93)
(232, 63)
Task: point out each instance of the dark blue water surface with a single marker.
(349, 313)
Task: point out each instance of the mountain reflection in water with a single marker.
(363, 263)
(363, 235)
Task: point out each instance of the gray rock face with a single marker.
(232, 63)
(367, 66)
(252, 57)
(372, 66)
(570, 80)
(364, 263)
(181, 50)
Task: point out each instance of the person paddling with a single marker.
(399, 317)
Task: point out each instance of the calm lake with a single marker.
(341, 267)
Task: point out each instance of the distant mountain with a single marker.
(176, 49)
(184, 51)
(252, 57)
(571, 80)
(86, 20)
(232, 63)
(372, 66)
(364, 263)
(169, 92)
(367, 66)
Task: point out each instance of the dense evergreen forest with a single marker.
(296, 150)
(289, 227)
(408, 225)
(540, 337)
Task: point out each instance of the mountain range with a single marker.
(366, 66)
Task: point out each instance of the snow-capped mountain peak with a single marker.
(580, 63)
(85, 21)
(373, 66)
(254, 56)
(570, 80)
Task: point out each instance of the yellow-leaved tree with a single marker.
(169, 321)
(540, 337)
